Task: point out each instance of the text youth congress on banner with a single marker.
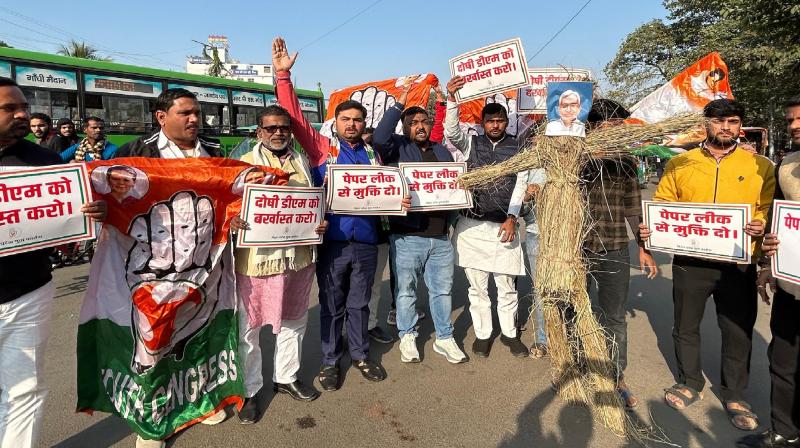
(41, 207)
(434, 186)
(786, 224)
(281, 216)
(365, 190)
(491, 69)
(713, 231)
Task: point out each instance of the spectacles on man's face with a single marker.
(728, 121)
(275, 128)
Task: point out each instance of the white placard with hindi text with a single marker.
(365, 190)
(712, 231)
(491, 69)
(786, 224)
(41, 207)
(434, 186)
(281, 216)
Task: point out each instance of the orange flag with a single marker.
(378, 96)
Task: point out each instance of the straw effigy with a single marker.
(579, 347)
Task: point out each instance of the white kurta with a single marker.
(477, 246)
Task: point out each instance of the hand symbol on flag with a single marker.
(168, 271)
(376, 101)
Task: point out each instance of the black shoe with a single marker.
(767, 439)
(297, 390)
(250, 412)
(328, 377)
(370, 370)
(481, 347)
(518, 349)
(378, 335)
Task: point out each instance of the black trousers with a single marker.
(612, 274)
(734, 289)
(784, 357)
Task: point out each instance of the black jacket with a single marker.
(147, 146)
(393, 149)
(28, 271)
(491, 204)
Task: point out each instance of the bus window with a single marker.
(216, 119)
(312, 117)
(123, 115)
(245, 117)
(55, 104)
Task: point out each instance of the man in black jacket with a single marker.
(26, 290)
(420, 241)
(179, 116)
(485, 237)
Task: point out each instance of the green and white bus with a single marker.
(124, 95)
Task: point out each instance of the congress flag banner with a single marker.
(157, 335)
(689, 91)
(379, 96)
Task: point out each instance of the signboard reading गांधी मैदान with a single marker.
(712, 231)
(41, 207)
(281, 216)
(365, 190)
(492, 69)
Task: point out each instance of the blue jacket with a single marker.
(363, 229)
(108, 152)
(394, 148)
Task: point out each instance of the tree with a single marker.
(217, 68)
(81, 50)
(3, 44)
(756, 38)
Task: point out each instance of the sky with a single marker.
(341, 43)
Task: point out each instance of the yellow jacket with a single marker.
(740, 177)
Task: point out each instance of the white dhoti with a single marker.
(481, 253)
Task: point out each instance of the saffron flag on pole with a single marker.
(158, 335)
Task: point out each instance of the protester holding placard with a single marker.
(485, 237)
(274, 283)
(348, 257)
(26, 290)
(719, 171)
(179, 117)
(784, 349)
(419, 242)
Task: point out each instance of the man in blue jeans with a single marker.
(420, 241)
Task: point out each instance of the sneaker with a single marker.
(378, 334)
(408, 348)
(516, 346)
(216, 419)
(145, 443)
(449, 349)
(391, 318)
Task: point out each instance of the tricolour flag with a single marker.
(158, 336)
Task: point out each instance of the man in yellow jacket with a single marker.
(719, 171)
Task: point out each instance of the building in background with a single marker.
(231, 68)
